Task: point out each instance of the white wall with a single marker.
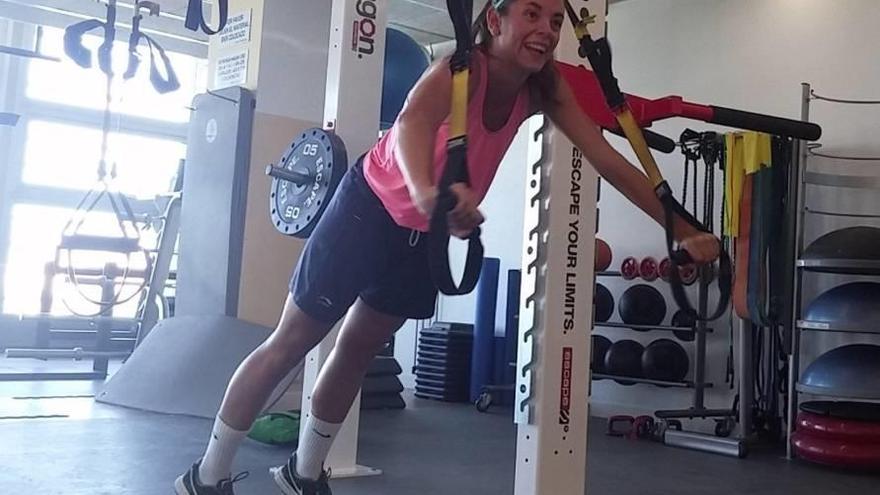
(293, 38)
(748, 54)
(295, 42)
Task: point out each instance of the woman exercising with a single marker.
(367, 259)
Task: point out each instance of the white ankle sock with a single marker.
(317, 438)
(217, 462)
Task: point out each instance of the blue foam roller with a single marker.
(511, 323)
(498, 360)
(484, 326)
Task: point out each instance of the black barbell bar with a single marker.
(297, 178)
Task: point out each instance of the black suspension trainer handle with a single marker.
(598, 52)
(461, 12)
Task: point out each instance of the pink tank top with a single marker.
(485, 151)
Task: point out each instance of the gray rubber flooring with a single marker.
(428, 449)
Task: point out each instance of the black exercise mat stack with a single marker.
(382, 387)
(443, 362)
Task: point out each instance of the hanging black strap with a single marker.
(195, 17)
(460, 11)
(689, 143)
(82, 56)
(673, 208)
(598, 52)
(161, 83)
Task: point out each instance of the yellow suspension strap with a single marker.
(461, 13)
(598, 52)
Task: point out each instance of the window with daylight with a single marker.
(53, 157)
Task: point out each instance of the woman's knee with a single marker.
(296, 334)
(365, 331)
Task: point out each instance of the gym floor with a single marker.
(73, 445)
(430, 448)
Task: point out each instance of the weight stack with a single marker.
(443, 362)
(382, 386)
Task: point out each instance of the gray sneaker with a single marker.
(291, 484)
(189, 483)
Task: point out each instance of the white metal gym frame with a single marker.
(553, 373)
(352, 104)
(553, 361)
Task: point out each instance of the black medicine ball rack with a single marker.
(725, 417)
(852, 253)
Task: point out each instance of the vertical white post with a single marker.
(353, 97)
(351, 109)
(553, 365)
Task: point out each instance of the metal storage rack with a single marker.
(806, 177)
(701, 329)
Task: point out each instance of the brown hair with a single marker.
(542, 84)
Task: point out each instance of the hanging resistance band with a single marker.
(598, 52)
(460, 11)
(766, 246)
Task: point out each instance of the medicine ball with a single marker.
(600, 348)
(624, 358)
(603, 255)
(665, 360)
(681, 319)
(642, 305)
(604, 303)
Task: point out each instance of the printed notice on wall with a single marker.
(237, 30)
(231, 70)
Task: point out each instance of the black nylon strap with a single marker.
(460, 11)
(671, 208)
(438, 239)
(438, 256)
(163, 84)
(76, 50)
(598, 52)
(195, 17)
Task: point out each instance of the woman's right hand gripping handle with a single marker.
(462, 219)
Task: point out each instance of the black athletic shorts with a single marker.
(357, 250)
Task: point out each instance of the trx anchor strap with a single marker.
(598, 52)
(461, 12)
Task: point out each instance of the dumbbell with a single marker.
(629, 269)
(632, 268)
(631, 427)
(650, 269)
